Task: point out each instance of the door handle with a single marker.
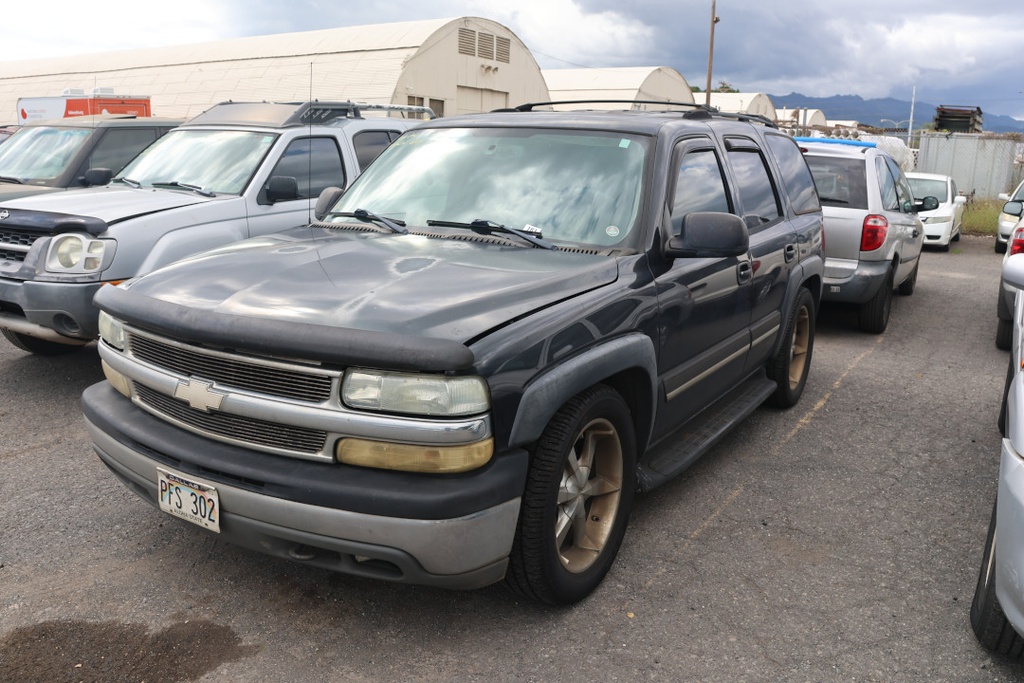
(790, 252)
(744, 272)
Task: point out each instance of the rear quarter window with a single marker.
(795, 174)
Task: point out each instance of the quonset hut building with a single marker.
(454, 66)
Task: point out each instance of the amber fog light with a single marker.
(414, 458)
(117, 380)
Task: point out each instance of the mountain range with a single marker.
(871, 112)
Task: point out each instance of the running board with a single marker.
(702, 432)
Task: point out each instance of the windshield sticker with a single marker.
(611, 231)
(623, 144)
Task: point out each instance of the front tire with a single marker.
(792, 363)
(40, 347)
(579, 493)
(988, 621)
(874, 314)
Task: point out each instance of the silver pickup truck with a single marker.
(237, 170)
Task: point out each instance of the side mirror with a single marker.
(1013, 208)
(98, 176)
(282, 188)
(708, 234)
(928, 204)
(328, 198)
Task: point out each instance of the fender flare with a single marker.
(550, 391)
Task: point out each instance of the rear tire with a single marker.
(40, 347)
(579, 493)
(874, 314)
(908, 286)
(792, 363)
(988, 621)
(1004, 334)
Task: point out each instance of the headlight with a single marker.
(72, 253)
(937, 219)
(411, 394)
(111, 330)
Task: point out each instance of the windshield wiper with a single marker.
(10, 179)
(487, 227)
(186, 186)
(129, 182)
(391, 224)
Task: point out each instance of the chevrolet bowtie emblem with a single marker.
(199, 394)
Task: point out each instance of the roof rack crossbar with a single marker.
(693, 109)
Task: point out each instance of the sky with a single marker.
(935, 51)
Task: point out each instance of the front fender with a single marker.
(549, 392)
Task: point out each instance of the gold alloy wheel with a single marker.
(588, 496)
(798, 348)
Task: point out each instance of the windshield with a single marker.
(574, 186)
(222, 161)
(929, 187)
(39, 154)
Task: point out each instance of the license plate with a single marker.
(189, 500)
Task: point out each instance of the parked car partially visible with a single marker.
(1008, 219)
(997, 611)
(873, 234)
(942, 225)
(51, 156)
(1004, 304)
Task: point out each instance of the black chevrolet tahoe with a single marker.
(465, 368)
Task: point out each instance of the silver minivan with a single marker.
(873, 235)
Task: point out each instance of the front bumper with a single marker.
(938, 233)
(1010, 536)
(852, 281)
(451, 531)
(56, 311)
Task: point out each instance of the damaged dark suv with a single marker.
(462, 372)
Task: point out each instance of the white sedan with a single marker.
(941, 225)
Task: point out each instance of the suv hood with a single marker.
(450, 289)
(110, 203)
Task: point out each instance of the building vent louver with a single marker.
(504, 49)
(485, 46)
(467, 42)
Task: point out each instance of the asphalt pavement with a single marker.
(835, 541)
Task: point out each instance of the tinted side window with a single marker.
(119, 146)
(700, 186)
(795, 173)
(886, 186)
(369, 144)
(756, 189)
(315, 163)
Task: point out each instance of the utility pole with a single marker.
(910, 123)
(711, 53)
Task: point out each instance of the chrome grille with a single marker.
(234, 427)
(296, 383)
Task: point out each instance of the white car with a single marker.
(941, 225)
(997, 611)
(1008, 220)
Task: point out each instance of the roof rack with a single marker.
(291, 114)
(694, 110)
